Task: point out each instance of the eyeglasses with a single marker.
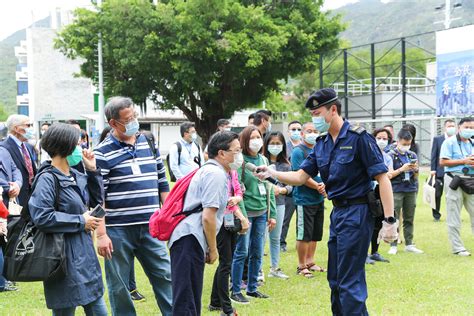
(235, 151)
(295, 129)
(309, 131)
(28, 125)
(135, 115)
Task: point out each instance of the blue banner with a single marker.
(455, 83)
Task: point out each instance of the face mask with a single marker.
(311, 138)
(320, 123)
(295, 135)
(269, 127)
(238, 161)
(255, 144)
(194, 136)
(382, 143)
(227, 129)
(450, 131)
(466, 133)
(42, 133)
(29, 133)
(403, 149)
(131, 128)
(76, 157)
(275, 150)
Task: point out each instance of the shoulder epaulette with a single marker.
(357, 129)
(321, 136)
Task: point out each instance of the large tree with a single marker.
(208, 58)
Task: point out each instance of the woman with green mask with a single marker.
(82, 286)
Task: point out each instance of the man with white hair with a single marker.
(20, 129)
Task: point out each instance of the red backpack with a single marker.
(164, 221)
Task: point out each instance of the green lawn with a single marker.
(432, 283)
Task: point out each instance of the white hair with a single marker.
(15, 120)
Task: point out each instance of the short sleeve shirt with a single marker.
(209, 188)
(454, 149)
(348, 164)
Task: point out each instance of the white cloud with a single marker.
(334, 4)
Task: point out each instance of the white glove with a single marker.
(389, 232)
(3, 227)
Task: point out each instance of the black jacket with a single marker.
(435, 150)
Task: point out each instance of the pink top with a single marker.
(234, 188)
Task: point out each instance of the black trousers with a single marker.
(377, 227)
(226, 242)
(439, 192)
(187, 275)
(290, 208)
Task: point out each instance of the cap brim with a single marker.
(309, 103)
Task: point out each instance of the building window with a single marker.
(23, 109)
(22, 87)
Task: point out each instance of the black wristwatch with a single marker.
(390, 220)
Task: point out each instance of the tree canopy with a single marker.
(208, 58)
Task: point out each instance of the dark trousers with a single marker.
(439, 184)
(226, 241)
(350, 232)
(375, 235)
(290, 208)
(187, 275)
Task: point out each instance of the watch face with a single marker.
(390, 219)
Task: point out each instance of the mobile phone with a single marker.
(98, 211)
(413, 161)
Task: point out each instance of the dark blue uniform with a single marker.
(347, 167)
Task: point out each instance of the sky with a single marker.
(18, 14)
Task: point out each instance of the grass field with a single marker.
(434, 283)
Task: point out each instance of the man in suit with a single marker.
(437, 172)
(20, 129)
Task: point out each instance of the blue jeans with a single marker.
(130, 242)
(252, 244)
(275, 235)
(96, 308)
(2, 279)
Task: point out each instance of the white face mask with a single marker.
(227, 129)
(275, 150)
(255, 144)
(382, 143)
(238, 161)
(403, 149)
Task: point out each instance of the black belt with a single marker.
(356, 201)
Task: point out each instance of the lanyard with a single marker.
(460, 147)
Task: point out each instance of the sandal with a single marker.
(315, 268)
(304, 272)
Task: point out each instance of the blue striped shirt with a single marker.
(133, 180)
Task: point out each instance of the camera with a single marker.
(455, 183)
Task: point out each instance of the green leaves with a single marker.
(216, 55)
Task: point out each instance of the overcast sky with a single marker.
(18, 14)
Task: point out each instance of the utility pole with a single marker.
(100, 120)
(447, 13)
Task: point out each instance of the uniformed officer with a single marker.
(348, 159)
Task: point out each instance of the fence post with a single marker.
(321, 69)
(372, 75)
(346, 98)
(404, 75)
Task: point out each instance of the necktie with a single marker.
(29, 165)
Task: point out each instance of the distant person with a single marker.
(383, 138)
(294, 134)
(263, 121)
(105, 132)
(193, 241)
(390, 128)
(42, 153)
(414, 145)
(222, 125)
(404, 178)
(457, 158)
(250, 119)
(309, 201)
(135, 186)
(74, 123)
(275, 151)
(82, 286)
(20, 129)
(84, 139)
(185, 155)
(437, 171)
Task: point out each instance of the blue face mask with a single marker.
(269, 128)
(311, 138)
(320, 124)
(131, 128)
(29, 133)
(75, 157)
(295, 135)
(466, 133)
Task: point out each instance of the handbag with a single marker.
(32, 255)
(429, 193)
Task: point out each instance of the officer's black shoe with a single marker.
(257, 294)
(239, 298)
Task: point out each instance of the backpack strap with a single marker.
(25, 213)
(151, 144)
(180, 148)
(304, 149)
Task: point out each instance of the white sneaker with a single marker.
(413, 249)
(393, 250)
(277, 273)
(463, 253)
(261, 276)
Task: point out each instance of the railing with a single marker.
(386, 84)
